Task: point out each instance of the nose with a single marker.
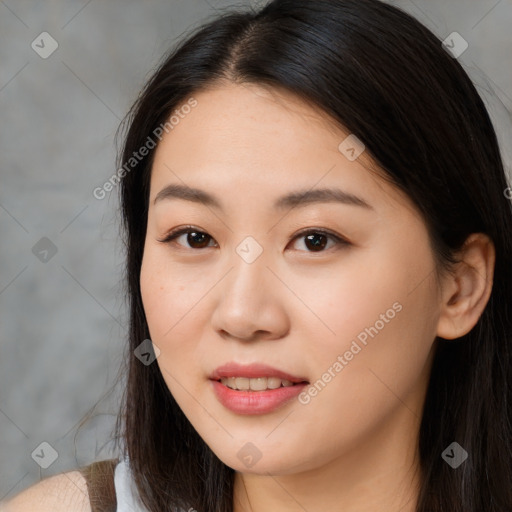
(251, 303)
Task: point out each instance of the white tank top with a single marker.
(126, 491)
(127, 496)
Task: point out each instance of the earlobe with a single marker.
(467, 291)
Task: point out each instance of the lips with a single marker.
(254, 401)
(252, 371)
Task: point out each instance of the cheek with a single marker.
(379, 316)
(169, 296)
(153, 289)
(175, 313)
(351, 298)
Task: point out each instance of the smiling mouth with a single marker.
(257, 384)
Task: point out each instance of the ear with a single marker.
(466, 292)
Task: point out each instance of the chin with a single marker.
(247, 458)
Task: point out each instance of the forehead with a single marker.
(259, 142)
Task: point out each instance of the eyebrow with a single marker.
(294, 199)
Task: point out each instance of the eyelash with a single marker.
(173, 234)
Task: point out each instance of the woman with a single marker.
(318, 266)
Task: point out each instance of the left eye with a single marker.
(315, 239)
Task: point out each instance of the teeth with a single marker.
(256, 384)
(242, 383)
(273, 382)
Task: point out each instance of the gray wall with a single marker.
(62, 313)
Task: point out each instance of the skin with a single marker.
(354, 445)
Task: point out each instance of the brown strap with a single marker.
(100, 485)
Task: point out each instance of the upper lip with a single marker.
(253, 370)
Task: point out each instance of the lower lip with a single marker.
(255, 402)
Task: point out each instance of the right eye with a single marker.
(196, 238)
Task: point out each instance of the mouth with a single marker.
(255, 389)
(255, 377)
(257, 384)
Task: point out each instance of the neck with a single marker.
(380, 474)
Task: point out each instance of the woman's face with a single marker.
(261, 280)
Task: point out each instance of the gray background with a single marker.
(63, 321)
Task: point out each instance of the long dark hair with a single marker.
(387, 79)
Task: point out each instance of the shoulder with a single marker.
(62, 492)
